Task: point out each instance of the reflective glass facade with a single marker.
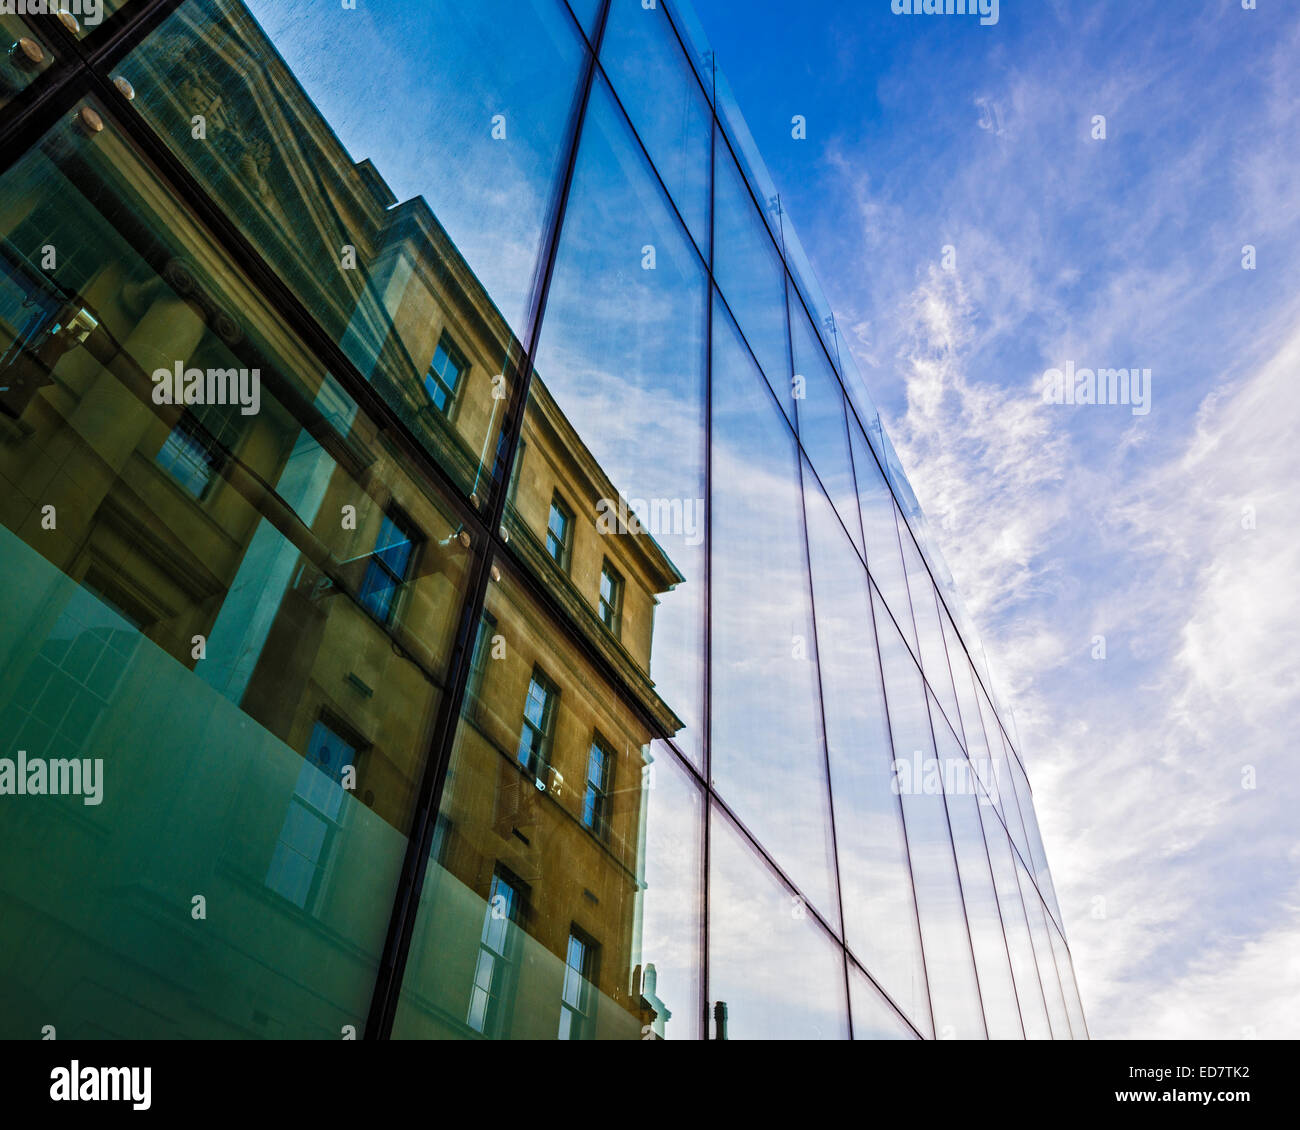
(456, 583)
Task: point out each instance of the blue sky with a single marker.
(1174, 535)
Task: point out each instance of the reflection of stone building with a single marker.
(227, 541)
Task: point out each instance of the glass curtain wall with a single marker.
(457, 583)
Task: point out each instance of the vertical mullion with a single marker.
(383, 1007)
(799, 454)
(707, 712)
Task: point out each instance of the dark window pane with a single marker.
(443, 379)
(387, 569)
(596, 798)
(538, 725)
(611, 598)
(559, 532)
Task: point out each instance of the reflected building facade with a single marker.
(440, 502)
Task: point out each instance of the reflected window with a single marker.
(576, 1002)
(74, 676)
(611, 597)
(306, 844)
(389, 567)
(487, 629)
(501, 464)
(495, 969)
(539, 723)
(559, 532)
(595, 801)
(443, 381)
(198, 447)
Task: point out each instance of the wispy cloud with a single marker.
(1169, 540)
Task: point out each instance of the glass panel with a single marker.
(1047, 976)
(884, 557)
(873, 1016)
(662, 96)
(991, 769)
(774, 973)
(879, 908)
(586, 13)
(823, 429)
(751, 276)
(807, 286)
(622, 357)
(864, 412)
(1065, 970)
(191, 507)
(949, 961)
(898, 478)
(695, 41)
(925, 610)
(1006, 790)
(768, 760)
(27, 53)
(1038, 858)
(393, 229)
(629, 893)
(1015, 925)
(964, 798)
(747, 154)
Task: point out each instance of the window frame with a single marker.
(448, 347)
(618, 587)
(599, 824)
(333, 821)
(505, 970)
(539, 753)
(402, 522)
(565, 559)
(581, 1016)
